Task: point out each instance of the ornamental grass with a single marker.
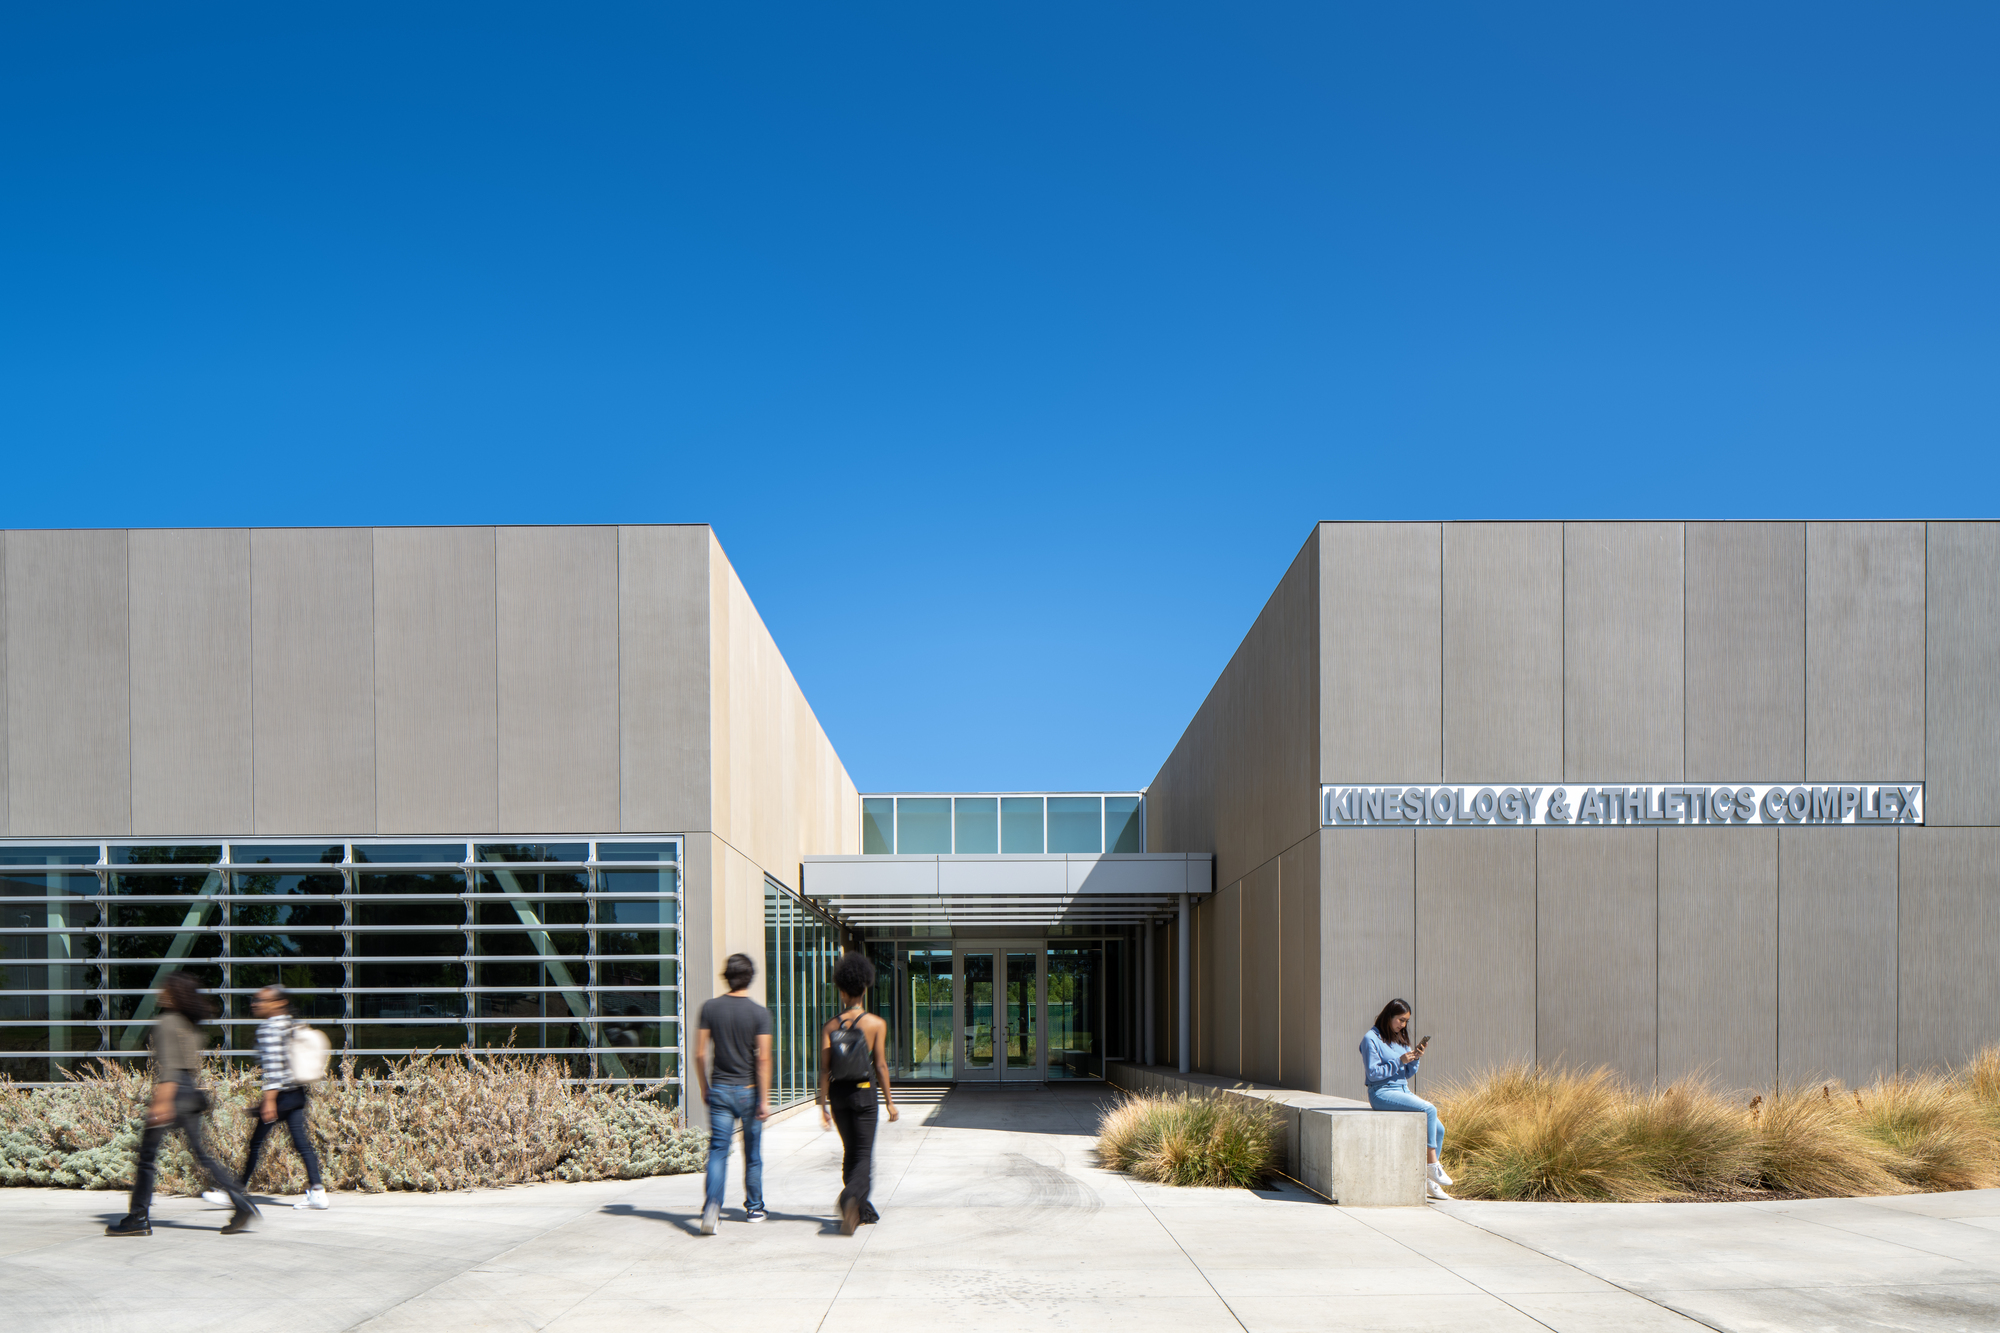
(431, 1122)
(1524, 1132)
(1189, 1140)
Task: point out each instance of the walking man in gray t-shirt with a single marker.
(732, 1068)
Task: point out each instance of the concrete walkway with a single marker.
(995, 1217)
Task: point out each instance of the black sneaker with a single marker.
(132, 1224)
(869, 1215)
(755, 1215)
(240, 1221)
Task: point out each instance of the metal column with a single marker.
(1146, 997)
(1186, 1006)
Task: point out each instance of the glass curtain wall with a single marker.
(913, 996)
(982, 825)
(800, 948)
(566, 949)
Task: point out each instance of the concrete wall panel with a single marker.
(1298, 1005)
(69, 690)
(1368, 942)
(558, 678)
(1836, 953)
(1261, 978)
(1222, 976)
(190, 615)
(1961, 648)
(1381, 657)
(1623, 635)
(312, 680)
(1746, 645)
(1864, 652)
(1597, 949)
(1719, 955)
(436, 691)
(1949, 910)
(1475, 984)
(663, 666)
(1503, 651)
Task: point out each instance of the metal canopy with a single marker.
(1028, 891)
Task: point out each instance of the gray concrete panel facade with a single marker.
(1864, 652)
(1948, 911)
(312, 633)
(1837, 953)
(663, 678)
(1719, 956)
(557, 632)
(1597, 949)
(1298, 965)
(1961, 647)
(191, 655)
(1503, 650)
(1368, 942)
(1746, 643)
(1260, 972)
(1381, 662)
(1475, 985)
(69, 685)
(1623, 638)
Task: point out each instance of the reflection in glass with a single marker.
(1122, 829)
(262, 884)
(532, 851)
(48, 856)
(641, 881)
(976, 825)
(1076, 824)
(410, 853)
(1022, 1047)
(1076, 1021)
(638, 851)
(923, 825)
(1021, 824)
(22, 884)
(878, 825)
(166, 856)
(978, 1051)
(324, 853)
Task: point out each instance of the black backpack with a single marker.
(847, 1057)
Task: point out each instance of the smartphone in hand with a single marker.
(1420, 1045)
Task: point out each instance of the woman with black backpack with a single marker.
(851, 1064)
(177, 1103)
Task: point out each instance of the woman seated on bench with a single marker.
(1388, 1064)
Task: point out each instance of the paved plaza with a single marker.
(994, 1216)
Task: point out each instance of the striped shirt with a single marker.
(273, 1043)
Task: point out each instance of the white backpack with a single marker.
(308, 1052)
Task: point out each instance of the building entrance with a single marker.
(997, 1012)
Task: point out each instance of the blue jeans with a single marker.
(727, 1104)
(1398, 1097)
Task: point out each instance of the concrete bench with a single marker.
(1343, 1149)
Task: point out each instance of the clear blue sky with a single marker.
(1012, 350)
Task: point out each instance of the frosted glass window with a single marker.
(878, 826)
(1021, 824)
(976, 821)
(1076, 824)
(1122, 828)
(923, 825)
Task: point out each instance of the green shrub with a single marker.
(1187, 1140)
(431, 1123)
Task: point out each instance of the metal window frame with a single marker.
(896, 816)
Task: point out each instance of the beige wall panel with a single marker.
(1298, 965)
(663, 666)
(1746, 652)
(68, 680)
(1864, 652)
(1202, 1009)
(557, 597)
(1225, 971)
(1475, 982)
(312, 680)
(1719, 955)
(1949, 904)
(1368, 943)
(1836, 953)
(1623, 635)
(1381, 673)
(1503, 651)
(1262, 973)
(190, 615)
(1242, 781)
(1962, 674)
(436, 692)
(1597, 939)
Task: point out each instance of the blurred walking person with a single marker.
(284, 1096)
(177, 1103)
(732, 1068)
(851, 1066)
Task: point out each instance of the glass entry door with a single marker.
(997, 1012)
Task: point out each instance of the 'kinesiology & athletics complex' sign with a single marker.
(1566, 805)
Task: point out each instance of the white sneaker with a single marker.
(1436, 1172)
(315, 1198)
(216, 1197)
(710, 1215)
(1433, 1190)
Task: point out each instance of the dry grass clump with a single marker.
(433, 1123)
(1530, 1133)
(1189, 1140)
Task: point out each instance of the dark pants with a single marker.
(291, 1114)
(853, 1107)
(189, 1124)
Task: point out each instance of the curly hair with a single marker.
(854, 974)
